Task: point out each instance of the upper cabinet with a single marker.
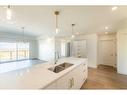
(79, 48)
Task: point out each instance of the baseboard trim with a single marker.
(92, 66)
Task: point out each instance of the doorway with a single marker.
(107, 52)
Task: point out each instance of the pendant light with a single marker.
(72, 36)
(23, 28)
(56, 14)
(9, 13)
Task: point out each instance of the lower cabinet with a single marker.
(72, 80)
(79, 76)
(65, 82)
(51, 86)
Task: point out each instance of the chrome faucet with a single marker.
(57, 56)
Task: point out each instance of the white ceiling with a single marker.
(40, 20)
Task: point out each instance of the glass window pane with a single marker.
(23, 51)
(7, 51)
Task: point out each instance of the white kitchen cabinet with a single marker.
(79, 75)
(65, 82)
(72, 80)
(84, 73)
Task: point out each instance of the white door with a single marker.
(107, 52)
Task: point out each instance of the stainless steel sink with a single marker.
(60, 67)
(65, 65)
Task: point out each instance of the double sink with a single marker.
(60, 67)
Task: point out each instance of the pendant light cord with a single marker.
(56, 22)
(23, 33)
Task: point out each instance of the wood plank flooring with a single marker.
(105, 77)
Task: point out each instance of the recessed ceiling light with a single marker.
(114, 8)
(72, 36)
(57, 30)
(106, 28)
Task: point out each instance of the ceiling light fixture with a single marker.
(106, 28)
(114, 8)
(56, 14)
(9, 13)
(72, 36)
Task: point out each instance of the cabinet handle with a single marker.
(70, 83)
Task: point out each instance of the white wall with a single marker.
(46, 48)
(122, 51)
(91, 48)
(33, 49)
(11, 37)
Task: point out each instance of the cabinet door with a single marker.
(52, 86)
(83, 72)
(65, 82)
(79, 75)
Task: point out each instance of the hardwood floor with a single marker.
(105, 77)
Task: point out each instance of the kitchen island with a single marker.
(39, 77)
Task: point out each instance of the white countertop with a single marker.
(37, 76)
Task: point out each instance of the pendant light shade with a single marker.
(56, 14)
(9, 13)
(23, 28)
(72, 36)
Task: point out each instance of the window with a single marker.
(13, 51)
(7, 51)
(23, 51)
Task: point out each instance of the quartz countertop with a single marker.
(37, 76)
